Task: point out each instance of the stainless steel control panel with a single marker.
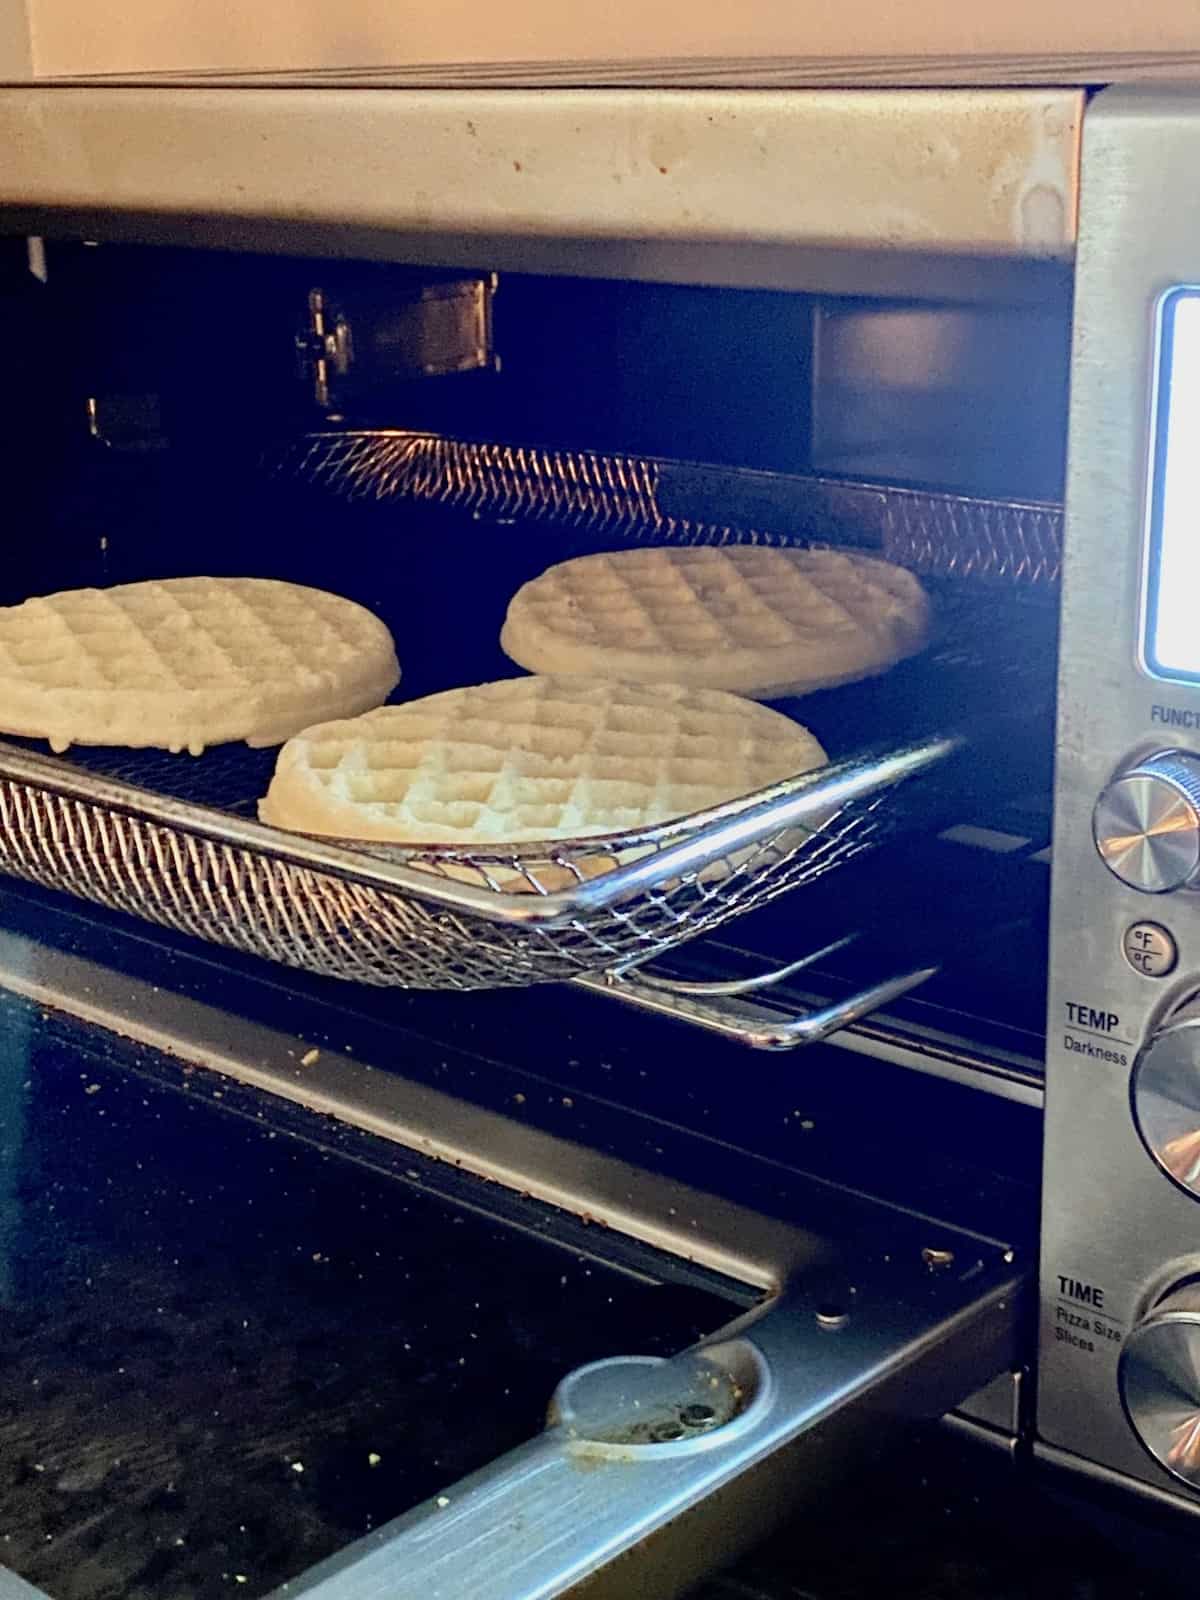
(1119, 1375)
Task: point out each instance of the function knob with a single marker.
(1147, 823)
(1159, 1375)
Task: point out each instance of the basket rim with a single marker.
(698, 841)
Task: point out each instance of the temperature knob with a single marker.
(1147, 823)
(1166, 1094)
(1159, 1375)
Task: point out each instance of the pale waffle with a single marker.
(756, 621)
(531, 759)
(188, 662)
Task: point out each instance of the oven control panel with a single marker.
(1119, 1358)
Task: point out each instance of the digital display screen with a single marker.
(1172, 646)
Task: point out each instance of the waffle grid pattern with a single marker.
(532, 759)
(745, 620)
(184, 662)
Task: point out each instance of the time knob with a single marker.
(1159, 1375)
(1147, 823)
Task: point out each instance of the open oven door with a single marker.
(636, 1487)
(218, 1161)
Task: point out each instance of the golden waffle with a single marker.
(755, 621)
(531, 759)
(188, 662)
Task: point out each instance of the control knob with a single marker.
(1147, 823)
(1159, 1375)
(1166, 1093)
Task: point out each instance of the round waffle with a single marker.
(756, 621)
(188, 662)
(531, 759)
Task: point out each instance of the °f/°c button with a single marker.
(1149, 949)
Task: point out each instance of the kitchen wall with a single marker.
(16, 59)
(84, 36)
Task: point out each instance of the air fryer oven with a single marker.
(278, 1325)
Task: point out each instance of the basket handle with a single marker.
(716, 1008)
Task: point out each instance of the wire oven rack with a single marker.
(174, 840)
(680, 502)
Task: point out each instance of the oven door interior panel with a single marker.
(194, 1199)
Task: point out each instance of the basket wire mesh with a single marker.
(118, 832)
(436, 918)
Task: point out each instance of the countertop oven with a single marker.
(530, 1221)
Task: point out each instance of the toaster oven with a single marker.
(523, 1220)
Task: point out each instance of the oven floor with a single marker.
(227, 1351)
